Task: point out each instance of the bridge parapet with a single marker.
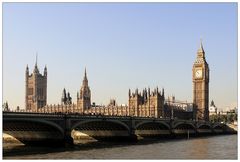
(32, 114)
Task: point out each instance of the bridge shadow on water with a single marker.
(16, 149)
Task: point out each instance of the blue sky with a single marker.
(122, 45)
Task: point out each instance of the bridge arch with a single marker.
(115, 122)
(218, 126)
(184, 124)
(204, 126)
(37, 121)
(34, 131)
(160, 123)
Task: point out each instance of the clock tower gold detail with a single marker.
(201, 85)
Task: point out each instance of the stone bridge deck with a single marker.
(57, 128)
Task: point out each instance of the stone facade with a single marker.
(84, 99)
(147, 103)
(200, 73)
(36, 89)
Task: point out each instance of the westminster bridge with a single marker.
(57, 128)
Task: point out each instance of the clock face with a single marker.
(198, 73)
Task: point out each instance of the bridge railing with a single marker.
(96, 112)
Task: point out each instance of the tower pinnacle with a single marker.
(36, 59)
(85, 73)
(201, 50)
(85, 80)
(27, 71)
(45, 70)
(36, 68)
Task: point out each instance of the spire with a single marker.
(64, 92)
(163, 94)
(85, 75)
(27, 72)
(45, 70)
(201, 46)
(36, 68)
(27, 68)
(64, 96)
(201, 50)
(69, 99)
(36, 59)
(136, 91)
(85, 80)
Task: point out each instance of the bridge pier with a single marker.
(133, 138)
(68, 140)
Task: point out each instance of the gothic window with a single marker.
(30, 91)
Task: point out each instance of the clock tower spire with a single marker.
(200, 77)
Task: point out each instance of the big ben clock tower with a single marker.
(200, 73)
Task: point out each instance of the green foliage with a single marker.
(226, 118)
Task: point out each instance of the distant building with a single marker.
(175, 109)
(36, 89)
(212, 109)
(184, 105)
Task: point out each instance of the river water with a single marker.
(211, 147)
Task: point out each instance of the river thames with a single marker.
(210, 147)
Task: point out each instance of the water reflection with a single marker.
(214, 147)
(199, 148)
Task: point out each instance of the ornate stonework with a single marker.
(36, 89)
(84, 99)
(200, 77)
(146, 104)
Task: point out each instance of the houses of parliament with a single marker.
(145, 103)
